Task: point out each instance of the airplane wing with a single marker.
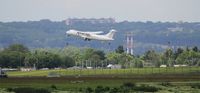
(97, 32)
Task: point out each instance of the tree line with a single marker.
(18, 55)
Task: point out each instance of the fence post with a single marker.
(182, 69)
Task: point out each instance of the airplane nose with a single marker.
(66, 32)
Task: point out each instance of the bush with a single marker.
(195, 85)
(41, 90)
(53, 87)
(107, 88)
(88, 90)
(124, 89)
(28, 90)
(114, 90)
(99, 89)
(146, 88)
(9, 89)
(80, 89)
(165, 84)
(129, 85)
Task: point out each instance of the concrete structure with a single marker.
(180, 65)
(163, 65)
(111, 66)
(0, 70)
(2, 74)
(27, 69)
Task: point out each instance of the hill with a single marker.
(147, 35)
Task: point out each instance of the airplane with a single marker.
(92, 35)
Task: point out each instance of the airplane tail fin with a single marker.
(111, 33)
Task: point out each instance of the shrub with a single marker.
(124, 89)
(114, 90)
(99, 89)
(9, 89)
(41, 90)
(146, 88)
(107, 88)
(195, 85)
(88, 90)
(80, 89)
(53, 87)
(165, 84)
(28, 90)
(129, 85)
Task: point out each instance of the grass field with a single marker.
(132, 71)
(71, 81)
(177, 82)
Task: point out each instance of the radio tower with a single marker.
(129, 43)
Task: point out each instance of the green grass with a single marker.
(180, 87)
(179, 77)
(131, 71)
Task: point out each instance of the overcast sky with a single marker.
(131, 10)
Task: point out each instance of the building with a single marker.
(2, 74)
(115, 66)
(71, 21)
(163, 66)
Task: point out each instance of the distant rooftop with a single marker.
(71, 21)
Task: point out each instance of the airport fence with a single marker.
(131, 71)
(107, 72)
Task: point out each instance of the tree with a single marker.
(119, 49)
(67, 62)
(17, 47)
(138, 62)
(69, 55)
(113, 57)
(95, 59)
(189, 57)
(94, 56)
(117, 58)
(87, 53)
(11, 59)
(30, 60)
(178, 52)
(125, 60)
(195, 49)
(13, 56)
(44, 59)
(100, 53)
(152, 57)
(167, 57)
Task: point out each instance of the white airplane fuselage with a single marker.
(92, 35)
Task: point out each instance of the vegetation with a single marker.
(28, 90)
(105, 72)
(195, 85)
(115, 87)
(17, 55)
(70, 60)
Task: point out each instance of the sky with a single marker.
(120, 10)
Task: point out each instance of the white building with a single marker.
(163, 65)
(111, 66)
(70, 21)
